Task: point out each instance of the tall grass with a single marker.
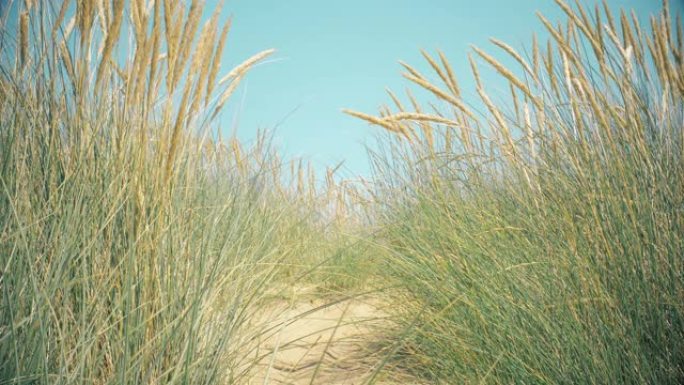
(540, 241)
(134, 242)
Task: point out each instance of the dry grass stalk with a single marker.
(453, 83)
(216, 61)
(418, 117)
(200, 65)
(549, 67)
(511, 51)
(144, 61)
(189, 29)
(516, 102)
(501, 125)
(60, 17)
(411, 70)
(65, 57)
(226, 95)
(561, 41)
(154, 52)
(112, 37)
(441, 94)
(373, 120)
(447, 77)
(475, 71)
(535, 55)
(172, 33)
(628, 37)
(23, 38)
(395, 100)
(247, 64)
(505, 72)
(583, 26)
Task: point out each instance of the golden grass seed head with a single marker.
(23, 38)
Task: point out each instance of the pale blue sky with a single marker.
(342, 54)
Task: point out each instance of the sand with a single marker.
(314, 342)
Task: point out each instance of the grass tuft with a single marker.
(541, 242)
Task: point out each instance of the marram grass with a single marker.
(133, 243)
(541, 241)
(534, 240)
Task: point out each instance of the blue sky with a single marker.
(343, 54)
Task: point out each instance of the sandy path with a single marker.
(333, 344)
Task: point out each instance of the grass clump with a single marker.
(133, 242)
(541, 241)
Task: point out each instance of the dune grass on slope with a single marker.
(541, 241)
(134, 243)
